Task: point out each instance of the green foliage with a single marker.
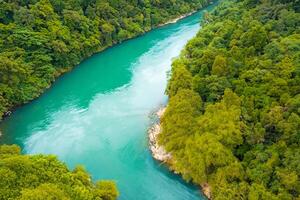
(181, 79)
(39, 177)
(40, 39)
(179, 120)
(244, 138)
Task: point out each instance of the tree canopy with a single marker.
(233, 119)
(40, 177)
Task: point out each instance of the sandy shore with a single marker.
(177, 19)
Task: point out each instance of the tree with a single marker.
(219, 67)
(39, 177)
(179, 120)
(180, 79)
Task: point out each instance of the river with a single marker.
(98, 115)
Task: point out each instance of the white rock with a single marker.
(158, 152)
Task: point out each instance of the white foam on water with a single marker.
(109, 115)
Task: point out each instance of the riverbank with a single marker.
(60, 72)
(172, 21)
(160, 154)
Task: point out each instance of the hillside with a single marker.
(233, 119)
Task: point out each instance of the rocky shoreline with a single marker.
(160, 154)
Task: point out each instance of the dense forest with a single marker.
(40, 39)
(233, 119)
(39, 177)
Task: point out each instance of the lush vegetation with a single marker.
(233, 119)
(38, 177)
(40, 39)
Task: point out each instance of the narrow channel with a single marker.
(98, 115)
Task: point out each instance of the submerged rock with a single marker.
(7, 113)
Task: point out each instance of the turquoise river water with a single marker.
(98, 115)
